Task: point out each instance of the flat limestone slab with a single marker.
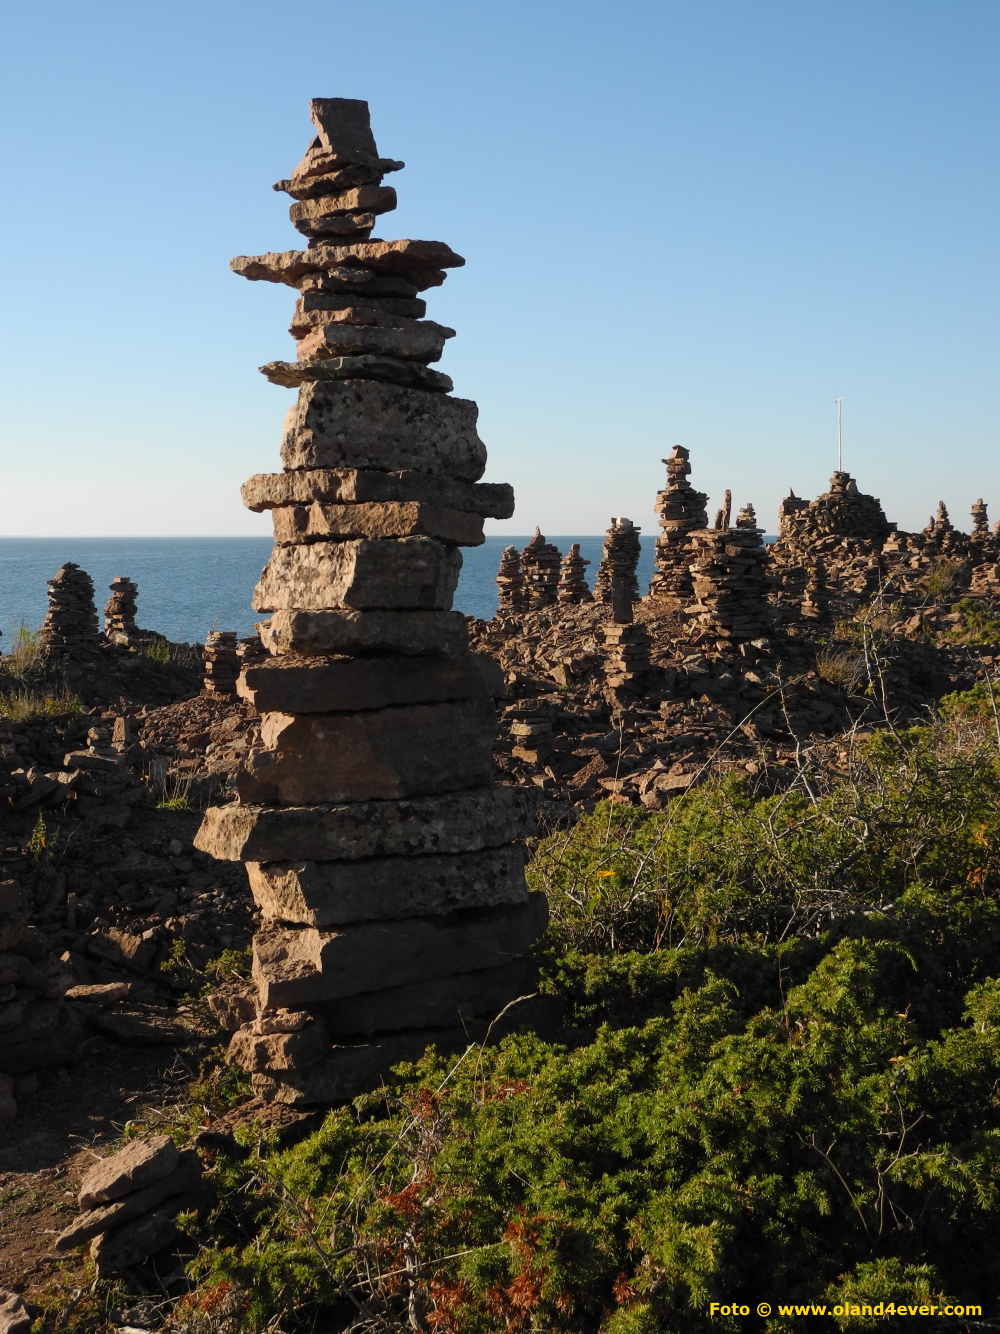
(419, 340)
(366, 366)
(299, 684)
(403, 751)
(377, 631)
(139, 1164)
(438, 1003)
(265, 491)
(420, 262)
(486, 817)
(360, 199)
(410, 572)
(387, 888)
(294, 967)
(295, 524)
(366, 424)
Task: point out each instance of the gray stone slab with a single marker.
(368, 366)
(295, 524)
(403, 574)
(420, 262)
(381, 754)
(264, 491)
(365, 424)
(139, 1164)
(296, 683)
(416, 340)
(485, 817)
(387, 888)
(346, 631)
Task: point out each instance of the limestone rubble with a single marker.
(384, 859)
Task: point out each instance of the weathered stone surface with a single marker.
(99, 993)
(360, 199)
(348, 1070)
(278, 1051)
(185, 1177)
(266, 491)
(335, 893)
(301, 966)
(412, 572)
(295, 684)
(343, 128)
(420, 262)
(124, 948)
(461, 822)
(339, 228)
(317, 308)
(15, 1318)
(422, 340)
(324, 181)
(438, 1002)
(346, 631)
(139, 1164)
(364, 424)
(405, 751)
(140, 1026)
(49, 1035)
(113, 1251)
(369, 366)
(350, 278)
(295, 524)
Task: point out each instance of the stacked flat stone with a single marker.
(510, 582)
(385, 862)
(980, 520)
(843, 511)
(70, 626)
(573, 588)
(540, 564)
(221, 663)
(619, 560)
(682, 511)
(730, 580)
(249, 651)
(816, 598)
(120, 610)
(626, 642)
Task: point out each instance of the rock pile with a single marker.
(70, 626)
(119, 612)
(816, 599)
(682, 512)
(510, 582)
(540, 565)
(130, 1202)
(383, 858)
(573, 588)
(843, 511)
(619, 561)
(730, 580)
(221, 662)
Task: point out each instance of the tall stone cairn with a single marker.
(843, 511)
(619, 561)
(540, 562)
(730, 580)
(70, 626)
(221, 662)
(816, 598)
(682, 511)
(383, 857)
(573, 587)
(980, 521)
(510, 583)
(120, 610)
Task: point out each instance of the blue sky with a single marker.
(693, 222)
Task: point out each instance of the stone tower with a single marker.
(384, 858)
(682, 511)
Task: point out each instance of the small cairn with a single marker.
(730, 581)
(70, 626)
(510, 583)
(386, 863)
(980, 521)
(619, 561)
(130, 1202)
(221, 662)
(816, 598)
(540, 562)
(119, 612)
(682, 512)
(722, 516)
(572, 580)
(249, 651)
(626, 642)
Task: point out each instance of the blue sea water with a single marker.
(190, 585)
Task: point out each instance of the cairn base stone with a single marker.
(264, 491)
(300, 684)
(300, 523)
(342, 630)
(413, 572)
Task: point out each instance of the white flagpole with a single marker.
(840, 437)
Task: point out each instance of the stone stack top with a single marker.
(70, 625)
(679, 505)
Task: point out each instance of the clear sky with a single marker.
(694, 222)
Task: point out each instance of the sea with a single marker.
(191, 585)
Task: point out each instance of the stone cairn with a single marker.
(119, 612)
(730, 580)
(816, 598)
(843, 511)
(573, 587)
(540, 562)
(682, 512)
(619, 561)
(510, 582)
(385, 861)
(249, 651)
(70, 626)
(221, 662)
(980, 521)
(626, 643)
